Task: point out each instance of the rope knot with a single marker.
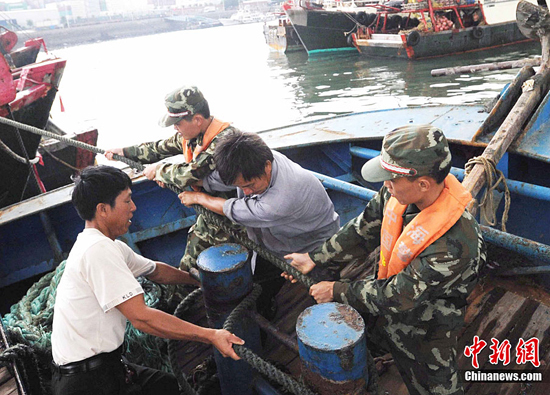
(493, 178)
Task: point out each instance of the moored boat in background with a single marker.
(281, 36)
(328, 25)
(324, 26)
(27, 96)
(28, 90)
(429, 29)
(250, 11)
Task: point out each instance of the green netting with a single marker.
(30, 321)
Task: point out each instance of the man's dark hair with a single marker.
(438, 175)
(201, 108)
(98, 184)
(238, 153)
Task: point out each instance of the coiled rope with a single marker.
(493, 178)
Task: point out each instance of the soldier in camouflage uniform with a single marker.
(416, 311)
(196, 136)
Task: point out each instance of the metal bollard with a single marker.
(332, 343)
(226, 278)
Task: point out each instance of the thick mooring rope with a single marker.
(224, 223)
(254, 360)
(493, 178)
(183, 307)
(211, 217)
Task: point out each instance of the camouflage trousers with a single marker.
(201, 236)
(426, 361)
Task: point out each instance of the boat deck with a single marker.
(8, 384)
(499, 308)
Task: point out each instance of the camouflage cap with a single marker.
(180, 103)
(412, 150)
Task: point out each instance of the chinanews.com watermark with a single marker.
(474, 376)
(525, 358)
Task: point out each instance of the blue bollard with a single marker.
(226, 278)
(332, 344)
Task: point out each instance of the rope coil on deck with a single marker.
(494, 177)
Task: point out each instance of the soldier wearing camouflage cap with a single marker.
(197, 133)
(431, 251)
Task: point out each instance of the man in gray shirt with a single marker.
(283, 206)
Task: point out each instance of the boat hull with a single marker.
(62, 161)
(282, 38)
(321, 30)
(14, 186)
(441, 43)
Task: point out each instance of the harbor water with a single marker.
(118, 86)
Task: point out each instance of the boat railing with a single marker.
(430, 13)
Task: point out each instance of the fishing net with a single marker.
(29, 324)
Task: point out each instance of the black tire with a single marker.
(370, 19)
(413, 38)
(362, 18)
(477, 32)
(349, 39)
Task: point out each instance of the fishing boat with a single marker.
(511, 304)
(281, 36)
(431, 28)
(28, 90)
(191, 22)
(243, 17)
(250, 11)
(324, 26)
(330, 26)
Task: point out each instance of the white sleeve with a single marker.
(138, 265)
(108, 275)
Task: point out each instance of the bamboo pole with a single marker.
(534, 90)
(476, 68)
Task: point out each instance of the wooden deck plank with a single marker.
(494, 311)
(9, 388)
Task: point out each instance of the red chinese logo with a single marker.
(528, 351)
(500, 353)
(475, 349)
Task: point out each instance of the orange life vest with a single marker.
(398, 246)
(213, 130)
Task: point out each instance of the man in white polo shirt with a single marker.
(99, 292)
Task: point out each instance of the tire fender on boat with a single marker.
(413, 38)
(349, 39)
(477, 32)
(362, 18)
